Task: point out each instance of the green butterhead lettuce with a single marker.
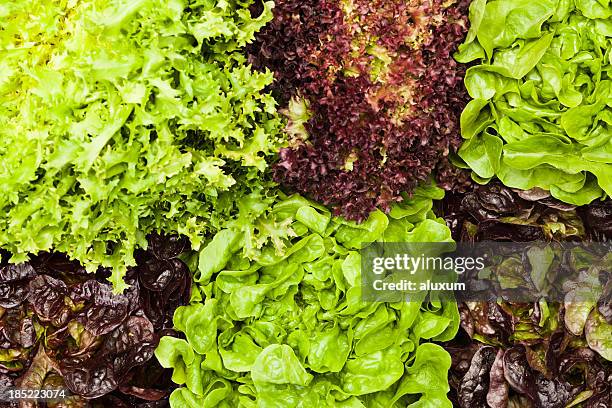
(118, 118)
(284, 324)
(541, 114)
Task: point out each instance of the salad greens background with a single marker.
(122, 120)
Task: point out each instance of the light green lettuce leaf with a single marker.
(289, 328)
(541, 114)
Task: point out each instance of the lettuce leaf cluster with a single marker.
(287, 326)
(541, 114)
(62, 327)
(372, 96)
(494, 212)
(542, 354)
(118, 118)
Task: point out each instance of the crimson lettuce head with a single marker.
(371, 93)
(542, 354)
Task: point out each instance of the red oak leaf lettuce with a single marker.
(544, 354)
(61, 327)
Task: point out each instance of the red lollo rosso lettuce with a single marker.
(61, 327)
(545, 354)
(371, 93)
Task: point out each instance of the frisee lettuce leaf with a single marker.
(118, 118)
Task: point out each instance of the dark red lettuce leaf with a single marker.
(148, 382)
(12, 294)
(554, 393)
(495, 212)
(59, 266)
(543, 392)
(517, 372)
(156, 274)
(130, 344)
(16, 329)
(544, 365)
(11, 273)
(103, 310)
(497, 395)
(475, 384)
(90, 378)
(167, 247)
(487, 319)
(598, 219)
(164, 292)
(47, 296)
(13, 283)
(26, 333)
(65, 327)
(376, 129)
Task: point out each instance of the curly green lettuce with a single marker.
(287, 326)
(118, 118)
(541, 114)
